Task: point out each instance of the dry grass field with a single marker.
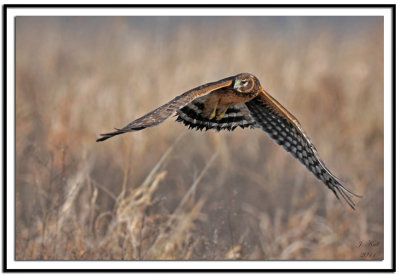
(167, 193)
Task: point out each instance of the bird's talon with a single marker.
(214, 112)
(212, 115)
(221, 115)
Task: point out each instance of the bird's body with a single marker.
(241, 101)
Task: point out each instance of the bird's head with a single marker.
(246, 83)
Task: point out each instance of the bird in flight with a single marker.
(241, 101)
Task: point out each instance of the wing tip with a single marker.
(118, 131)
(109, 135)
(345, 194)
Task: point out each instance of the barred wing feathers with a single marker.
(192, 116)
(286, 131)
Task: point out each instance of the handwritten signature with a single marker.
(368, 248)
(368, 243)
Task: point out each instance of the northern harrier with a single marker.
(241, 101)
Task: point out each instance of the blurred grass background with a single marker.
(170, 193)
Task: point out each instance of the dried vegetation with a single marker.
(159, 194)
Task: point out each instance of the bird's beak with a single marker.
(236, 84)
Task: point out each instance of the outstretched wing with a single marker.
(286, 131)
(162, 113)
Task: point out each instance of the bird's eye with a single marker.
(244, 83)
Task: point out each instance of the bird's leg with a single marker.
(222, 114)
(214, 111)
